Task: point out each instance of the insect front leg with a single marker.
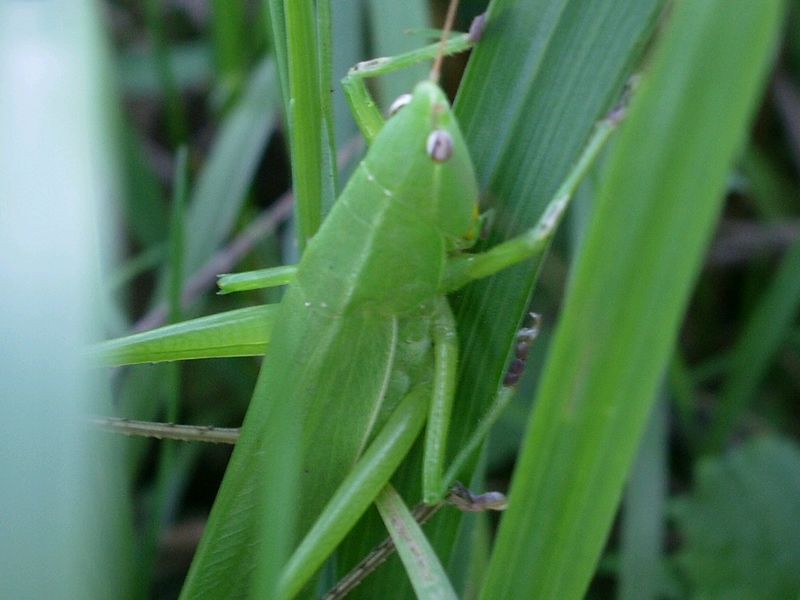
(363, 107)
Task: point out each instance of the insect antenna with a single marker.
(448, 26)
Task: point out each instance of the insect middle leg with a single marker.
(467, 267)
(445, 362)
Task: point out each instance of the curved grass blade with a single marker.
(632, 280)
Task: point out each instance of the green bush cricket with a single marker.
(367, 296)
(412, 200)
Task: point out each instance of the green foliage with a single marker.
(739, 524)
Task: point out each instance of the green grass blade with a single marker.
(220, 190)
(168, 467)
(277, 21)
(644, 519)
(240, 332)
(766, 329)
(64, 508)
(349, 47)
(542, 75)
(330, 169)
(632, 280)
(177, 234)
(306, 133)
(229, 35)
(144, 205)
(426, 573)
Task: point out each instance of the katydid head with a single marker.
(431, 159)
(424, 149)
(416, 190)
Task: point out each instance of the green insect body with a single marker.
(366, 297)
(360, 354)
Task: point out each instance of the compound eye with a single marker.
(399, 103)
(439, 145)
